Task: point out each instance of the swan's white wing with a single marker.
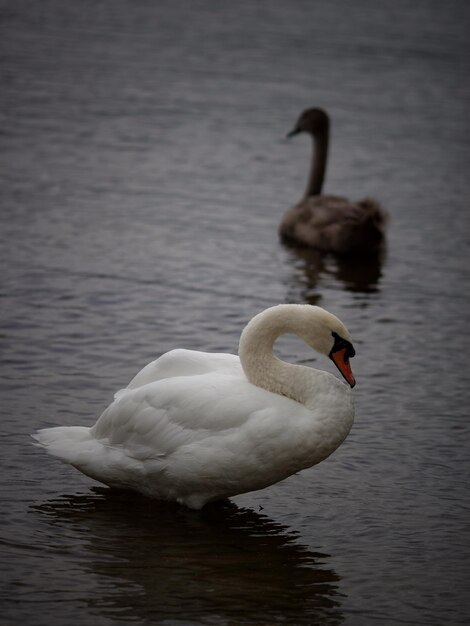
(155, 420)
(193, 438)
(182, 362)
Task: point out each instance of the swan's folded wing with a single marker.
(182, 362)
(155, 420)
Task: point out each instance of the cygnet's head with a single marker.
(313, 121)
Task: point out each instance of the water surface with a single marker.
(144, 172)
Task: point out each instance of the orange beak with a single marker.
(341, 359)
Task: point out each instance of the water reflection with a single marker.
(223, 564)
(356, 274)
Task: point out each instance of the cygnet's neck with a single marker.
(318, 162)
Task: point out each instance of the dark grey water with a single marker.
(143, 175)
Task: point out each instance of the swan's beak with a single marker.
(341, 359)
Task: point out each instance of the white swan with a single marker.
(193, 427)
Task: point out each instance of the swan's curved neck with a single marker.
(261, 366)
(318, 163)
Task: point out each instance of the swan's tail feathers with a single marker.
(68, 443)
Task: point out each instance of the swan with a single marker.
(195, 427)
(330, 223)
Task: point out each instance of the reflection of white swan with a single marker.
(330, 223)
(153, 562)
(195, 427)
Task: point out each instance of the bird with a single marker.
(195, 427)
(325, 222)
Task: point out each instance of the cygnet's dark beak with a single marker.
(294, 131)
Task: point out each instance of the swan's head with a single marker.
(313, 121)
(321, 330)
(328, 335)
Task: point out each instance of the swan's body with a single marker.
(195, 427)
(330, 223)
